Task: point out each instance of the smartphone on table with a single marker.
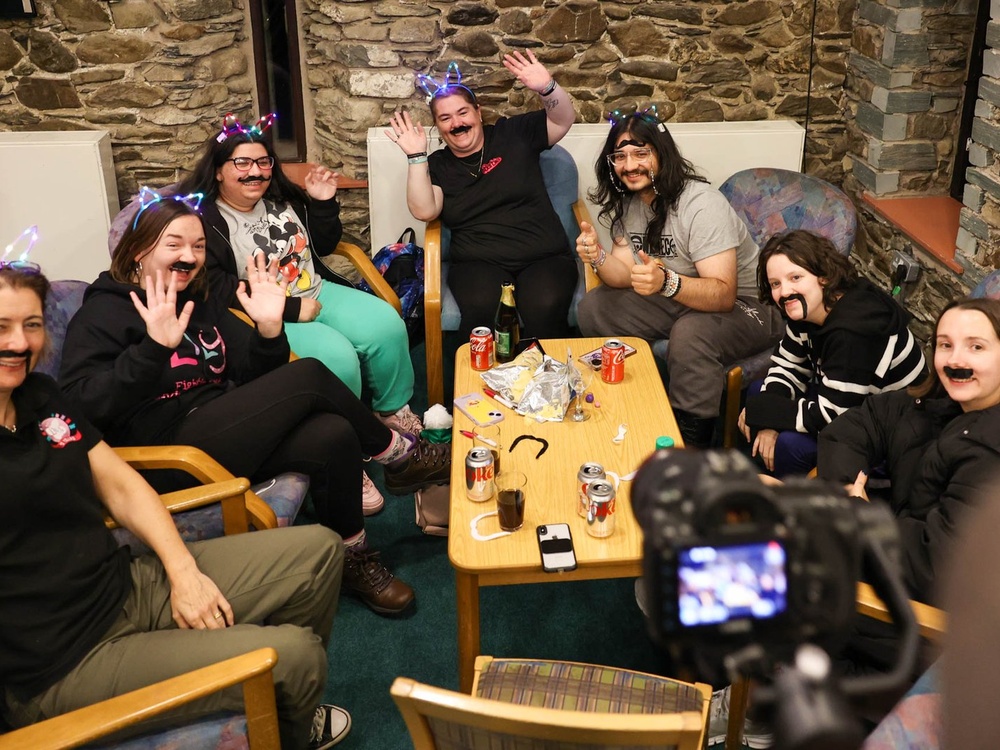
(555, 542)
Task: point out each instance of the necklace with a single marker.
(467, 163)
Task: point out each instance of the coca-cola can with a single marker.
(601, 513)
(481, 348)
(587, 474)
(613, 361)
(479, 485)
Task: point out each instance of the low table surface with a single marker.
(639, 402)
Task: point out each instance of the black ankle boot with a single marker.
(695, 431)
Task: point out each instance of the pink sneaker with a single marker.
(404, 420)
(371, 499)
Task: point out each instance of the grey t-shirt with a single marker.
(274, 229)
(702, 225)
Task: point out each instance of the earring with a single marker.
(652, 179)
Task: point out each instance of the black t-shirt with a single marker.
(63, 577)
(500, 212)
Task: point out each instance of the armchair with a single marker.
(548, 704)
(441, 312)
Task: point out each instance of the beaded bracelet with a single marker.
(549, 88)
(595, 264)
(671, 281)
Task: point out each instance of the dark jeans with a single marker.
(794, 452)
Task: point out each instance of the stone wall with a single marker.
(156, 74)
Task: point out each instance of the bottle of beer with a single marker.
(506, 325)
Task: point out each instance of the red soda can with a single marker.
(613, 361)
(479, 486)
(481, 348)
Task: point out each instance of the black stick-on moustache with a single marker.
(789, 298)
(182, 266)
(958, 373)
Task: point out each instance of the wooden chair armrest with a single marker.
(360, 260)
(101, 719)
(582, 214)
(433, 347)
(197, 497)
(932, 621)
(237, 517)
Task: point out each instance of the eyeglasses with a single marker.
(243, 163)
(617, 158)
(21, 266)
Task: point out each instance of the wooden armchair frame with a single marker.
(87, 724)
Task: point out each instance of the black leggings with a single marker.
(299, 417)
(543, 293)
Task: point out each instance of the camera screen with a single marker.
(719, 584)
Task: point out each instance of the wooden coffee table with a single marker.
(639, 402)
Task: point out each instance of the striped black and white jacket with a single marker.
(819, 372)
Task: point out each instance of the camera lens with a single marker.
(542, 530)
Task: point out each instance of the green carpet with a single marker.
(595, 621)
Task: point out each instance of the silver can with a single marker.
(479, 484)
(601, 513)
(587, 474)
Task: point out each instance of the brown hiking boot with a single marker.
(368, 579)
(429, 463)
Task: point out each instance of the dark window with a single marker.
(279, 76)
(969, 101)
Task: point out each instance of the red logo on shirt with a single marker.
(59, 430)
(491, 164)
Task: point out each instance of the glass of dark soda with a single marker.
(511, 487)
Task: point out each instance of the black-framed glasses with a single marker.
(618, 158)
(21, 266)
(243, 163)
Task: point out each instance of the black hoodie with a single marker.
(137, 391)
(819, 372)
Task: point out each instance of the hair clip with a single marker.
(25, 239)
(148, 197)
(452, 79)
(230, 125)
(263, 124)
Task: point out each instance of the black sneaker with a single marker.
(330, 725)
(429, 464)
(368, 579)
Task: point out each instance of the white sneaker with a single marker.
(371, 499)
(755, 734)
(330, 725)
(404, 420)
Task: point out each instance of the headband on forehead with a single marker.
(452, 79)
(149, 197)
(231, 125)
(649, 114)
(21, 246)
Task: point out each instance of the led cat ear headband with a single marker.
(149, 197)
(452, 79)
(649, 114)
(25, 240)
(231, 125)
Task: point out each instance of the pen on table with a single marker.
(497, 397)
(473, 436)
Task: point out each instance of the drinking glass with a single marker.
(581, 382)
(510, 499)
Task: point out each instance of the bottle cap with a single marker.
(664, 441)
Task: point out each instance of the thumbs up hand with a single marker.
(647, 276)
(587, 245)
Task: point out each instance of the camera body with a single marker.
(730, 562)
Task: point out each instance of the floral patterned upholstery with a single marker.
(220, 732)
(988, 287)
(915, 722)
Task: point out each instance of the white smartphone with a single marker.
(555, 542)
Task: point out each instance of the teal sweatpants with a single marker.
(357, 335)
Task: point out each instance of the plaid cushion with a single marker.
(448, 736)
(584, 687)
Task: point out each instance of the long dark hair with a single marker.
(141, 237)
(12, 277)
(202, 178)
(932, 387)
(675, 172)
(812, 252)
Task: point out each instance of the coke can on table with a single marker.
(613, 361)
(601, 513)
(481, 348)
(479, 485)
(587, 474)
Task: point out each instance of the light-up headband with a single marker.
(452, 79)
(649, 114)
(231, 125)
(149, 197)
(25, 240)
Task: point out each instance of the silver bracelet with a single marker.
(671, 282)
(549, 88)
(595, 264)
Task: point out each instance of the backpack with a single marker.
(402, 266)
